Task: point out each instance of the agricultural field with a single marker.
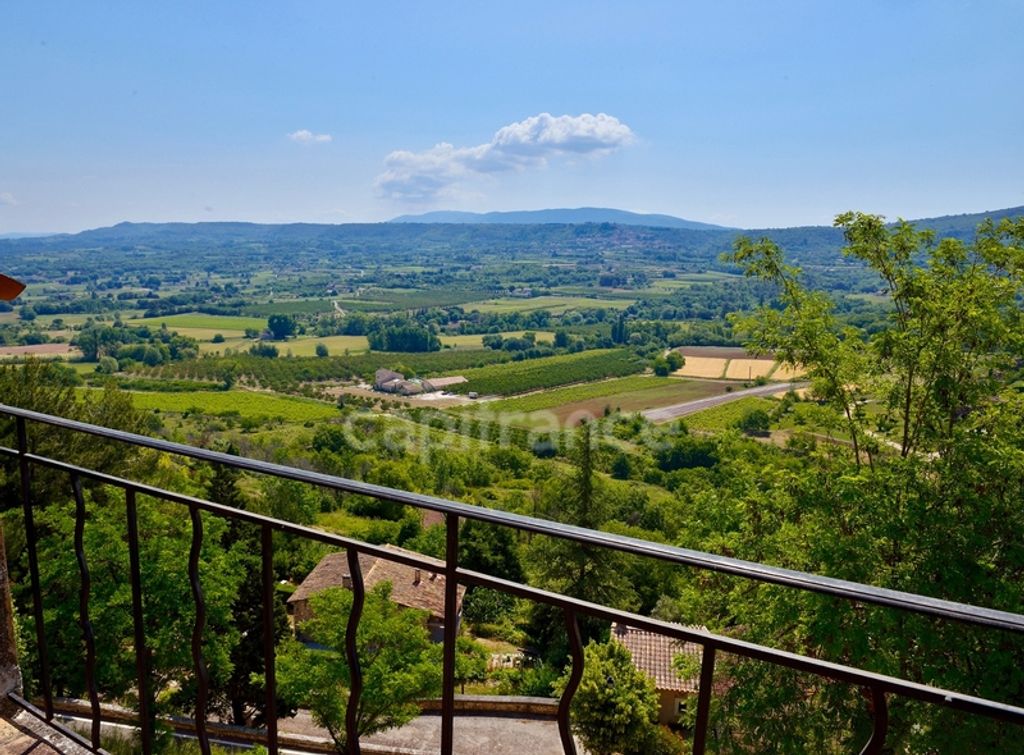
(306, 347)
(749, 369)
(687, 280)
(196, 321)
(707, 368)
(289, 307)
(234, 343)
(75, 320)
(566, 406)
(731, 363)
(475, 341)
(554, 304)
(202, 327)
(41, 350)
(785, 372)
(549, 372)
(724, 416)
(396, 299)
(246, 404)
(286, 374)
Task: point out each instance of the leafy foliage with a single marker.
(615, 707)
(281, 326)
(399, 664)
(548, 372)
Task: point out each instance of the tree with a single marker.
(754, 422)
(470, 661)
(321, 350)
(399, 664)
(262, 349)
(401, 334)
(924, 499)
(107, 366)
(615, 708)
(620, 330)
(49, 387)
(281, 326)
(576, 569)
(169, 612)
(622, 468)
(492, 550)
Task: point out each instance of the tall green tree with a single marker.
(926, 499)
(572, 568)
(615, 708)
(399, 663)
(168, 608)
(281, 326)
(240, 694)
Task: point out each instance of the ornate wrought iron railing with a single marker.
(880, 687)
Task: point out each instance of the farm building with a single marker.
(390, 381)
(383, 377)
(410, 587)
(654, 654)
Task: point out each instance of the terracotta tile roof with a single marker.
(328, 573)
(410, 587)
(653, 654)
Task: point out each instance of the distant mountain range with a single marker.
(575, 216)
(694, 246)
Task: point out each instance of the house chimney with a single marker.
(416, 579)
(346, 581)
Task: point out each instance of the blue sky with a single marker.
(742, 113)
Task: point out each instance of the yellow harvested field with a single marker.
(785, 372)
(748, 369)
(702, 367)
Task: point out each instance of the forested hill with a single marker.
(575, 216)
(814, 245)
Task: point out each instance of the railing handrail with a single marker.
(879, 685)
(853, 591)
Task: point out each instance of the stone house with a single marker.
(422, 589)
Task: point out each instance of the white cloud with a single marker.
(7, 199)
(530, 143)
(305, 136)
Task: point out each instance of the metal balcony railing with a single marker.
(879, 686)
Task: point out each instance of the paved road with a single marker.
(474, 734)
(690, 407)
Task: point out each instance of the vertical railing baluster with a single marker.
(24, 471)
(451, 629)
(142, 670)
(572, 629)
(707, 678)
(880, 723)
(355, 672)
(202, 675)
(269, 672)
(85, 587)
